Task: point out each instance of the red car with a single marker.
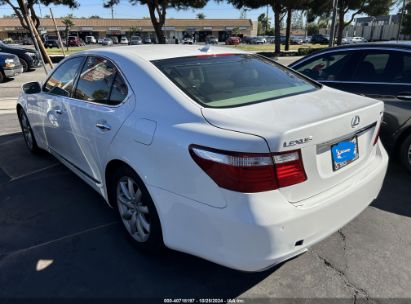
(74, 41)
(233, 41)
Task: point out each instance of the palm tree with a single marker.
(68, 22)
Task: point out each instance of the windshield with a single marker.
(230, 80)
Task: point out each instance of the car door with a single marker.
(102, 102)
(46, 109)
(386, 75)
(332, 68)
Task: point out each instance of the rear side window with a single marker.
(61, 82)
(100, 82)
(326, 67)
(231, 80)
(384, 66)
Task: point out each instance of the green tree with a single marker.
(290, 6)
(23, 8)
(352, 8)
(68, 23)
(201, 16)
(94, 17)
(277, 6)
(263, 24)
(158, 10)
(406, 23)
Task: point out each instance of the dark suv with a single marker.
(320, 39)
(29, 58)
(377, 70)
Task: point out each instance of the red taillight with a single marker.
(250, 172)
(289, 168)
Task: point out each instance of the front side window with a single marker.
(61, 82)
(101, 82)
(326, 67)
(231, 80)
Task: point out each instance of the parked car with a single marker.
(350, 40)
(377, 70)
(107, 41)
(212, 40)
(51, 42)
(29, 58)
(233, 40)
(135, 40)
(307, 39)
(114, 39)
(320, 39)
(124, 40)
(188, 40)
(91, 40)
(10, 66)
(257, 40)
(346, 40)
(74, 41)
(247, 39)
(223, 154)
(27, 41)
(358, 40)
(100, 40)
(296, 40)
(147, 40)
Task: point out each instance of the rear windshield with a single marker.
(232, 80)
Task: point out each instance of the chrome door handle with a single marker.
(103, 126)
(404, 97)
(58, 111)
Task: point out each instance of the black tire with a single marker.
(405, 153)
(2, 77)
(28, 135)
(25, 64)
(154, 242)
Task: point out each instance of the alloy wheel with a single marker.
(27, 133)
(133, 211)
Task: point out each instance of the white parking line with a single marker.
(61, 238)
(34, 172)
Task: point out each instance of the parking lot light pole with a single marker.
(333, 22)
(401, 20)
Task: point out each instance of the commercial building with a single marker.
(178, 28)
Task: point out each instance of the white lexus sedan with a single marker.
(211, 151)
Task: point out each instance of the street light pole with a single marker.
(333, 22)
(401, 20)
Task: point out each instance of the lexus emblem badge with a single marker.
(355, 121)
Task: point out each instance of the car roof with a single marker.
(384, 44)
(401, 45)
(164, 51)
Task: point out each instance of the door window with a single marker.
(326, 67)
(384, 66)
(371, 68)
(61, 82)
(100, 82)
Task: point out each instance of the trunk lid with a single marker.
(312, 122)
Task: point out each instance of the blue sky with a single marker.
(125, 10)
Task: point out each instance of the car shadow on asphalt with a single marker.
(395, 196)
(50, 217)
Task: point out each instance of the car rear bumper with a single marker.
(17, 70)
(257, 231)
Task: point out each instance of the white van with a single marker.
(91, 40)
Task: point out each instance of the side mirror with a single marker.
(31, 87)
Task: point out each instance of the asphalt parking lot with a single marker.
(59, 241)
